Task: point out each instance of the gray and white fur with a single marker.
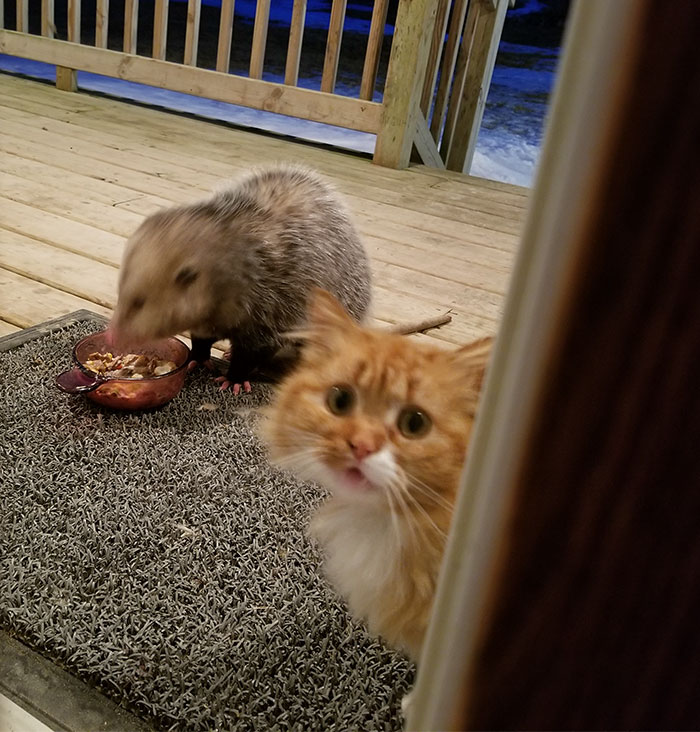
(240, 265)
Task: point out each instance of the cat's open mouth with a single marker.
(355, 479)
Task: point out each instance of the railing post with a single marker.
(479, 50)
(415, 21)
(67, 78)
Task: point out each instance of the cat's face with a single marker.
(374, 416)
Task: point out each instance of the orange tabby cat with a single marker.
(382, 422)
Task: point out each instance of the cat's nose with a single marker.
(361, 448)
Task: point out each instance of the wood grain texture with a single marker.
(593, 617)
(223, 51)
(471, 101)
(74, 13)
(335, 36)
(436, 45)
(454, 92)
(66, 79)
(447, 67)
(22, 15)
(317, 106)
(407, 67)
(194, 12)
(296, 35)
(131, 21)
(101, 23)
(48, 27)
(117, 162)
(160, 29)
(257, 52)
(374, 49)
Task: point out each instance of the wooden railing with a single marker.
(439, 69)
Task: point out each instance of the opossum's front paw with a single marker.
(208, 365)
(234, 386)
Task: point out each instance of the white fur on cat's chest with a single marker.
(362, 551)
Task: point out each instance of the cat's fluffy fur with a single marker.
(384, 527)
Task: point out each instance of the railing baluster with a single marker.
(48, 27)
(223, 51)
(296, 34)
(469, 99)
(131, 22)
(374, 49)
(257, 53)
(102, 23)
(335, 35)
(74, 21)
(160, 29)
(22, 10)
(194, 11)
(460, 74)
(459, 13)
(434, 56)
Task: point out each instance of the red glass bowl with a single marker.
(131, 394)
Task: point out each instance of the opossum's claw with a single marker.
(235, 386)
(208, 364)
(227, 355)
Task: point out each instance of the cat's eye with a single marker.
(413, 422)
(340, 399)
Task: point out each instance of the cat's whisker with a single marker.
(299, 460)
(425, 514)
(393, 509)
(427, 491)
(409, 519)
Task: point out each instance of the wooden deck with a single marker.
(79, 172)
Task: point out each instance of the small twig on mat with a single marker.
(421, 326)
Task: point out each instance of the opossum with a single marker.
(241, 265)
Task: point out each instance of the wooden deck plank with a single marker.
(440, 263)
(62, 232)
(469, 208)
(7, 328)
(434, 198)
(62, 202)
(65, 271)
(100, 190)
(460, 245)
(497, 191)
(361, 198)
(437, 241)
(25, 302)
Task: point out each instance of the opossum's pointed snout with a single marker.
(120, 334)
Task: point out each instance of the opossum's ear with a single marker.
(186, 276)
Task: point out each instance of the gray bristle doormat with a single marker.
(158, 557)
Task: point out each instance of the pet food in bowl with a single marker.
(142, 380)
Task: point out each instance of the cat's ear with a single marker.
(325, 312)
(473, 359)
(327, 322)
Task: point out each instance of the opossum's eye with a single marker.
(186, 276)
(136, 304)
